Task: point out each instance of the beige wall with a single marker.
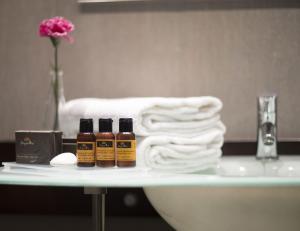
(234, 54)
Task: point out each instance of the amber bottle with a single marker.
(126, 144)
(105, 144)
(86, 144)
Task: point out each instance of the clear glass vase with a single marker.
(55, 100)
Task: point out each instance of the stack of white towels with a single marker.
(181, 135)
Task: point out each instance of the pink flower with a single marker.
(57, 27)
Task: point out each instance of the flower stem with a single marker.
(56, 86)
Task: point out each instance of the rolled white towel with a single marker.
(181, 154)
(152, 116)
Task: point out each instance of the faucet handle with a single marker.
(267, 103)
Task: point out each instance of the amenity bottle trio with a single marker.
(104, 148)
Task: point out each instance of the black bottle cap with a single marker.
(125, 125)
(105, 125)
(86, 126)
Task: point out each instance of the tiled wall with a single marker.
(230, 51)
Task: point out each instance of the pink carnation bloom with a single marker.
(57, 27)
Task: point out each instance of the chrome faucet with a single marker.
(267, 127)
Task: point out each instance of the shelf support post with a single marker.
(98, 207)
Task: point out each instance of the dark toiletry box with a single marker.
(37, 147)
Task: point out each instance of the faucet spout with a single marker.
(268, 133)
(267, 128)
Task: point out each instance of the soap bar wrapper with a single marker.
(37, 147)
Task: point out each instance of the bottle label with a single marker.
(86, 152)
(105, 149)
(126, 150)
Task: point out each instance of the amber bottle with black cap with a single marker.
(105, 144)
(86, 144)
(126, 144)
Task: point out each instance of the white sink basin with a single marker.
(260, 207)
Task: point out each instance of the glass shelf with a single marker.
(232, 171)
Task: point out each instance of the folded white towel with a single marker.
(181, 154)
(152, 116)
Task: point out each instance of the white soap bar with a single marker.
(66, 158)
